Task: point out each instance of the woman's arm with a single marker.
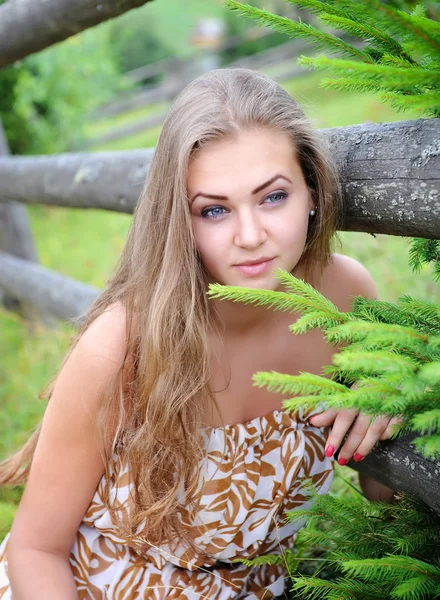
(66, 467)
(34, 575)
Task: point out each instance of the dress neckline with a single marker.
(245, 424)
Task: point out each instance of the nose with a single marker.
(250, 230)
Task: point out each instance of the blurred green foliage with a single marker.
(45, 98)
(249, 46)
(136, 42)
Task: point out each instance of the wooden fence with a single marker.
(390, 174)
(279, 62)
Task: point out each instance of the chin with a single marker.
(259, 283)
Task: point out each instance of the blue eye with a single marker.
(281, 195)
(208, 212)
(213, 212)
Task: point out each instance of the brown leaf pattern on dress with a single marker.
(251, 476)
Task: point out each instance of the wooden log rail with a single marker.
(390, 174)
(396, 464)
(28, 26)
(49, 291)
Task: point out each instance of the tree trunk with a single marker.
(28, 26)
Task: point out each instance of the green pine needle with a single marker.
(307, 383)
(260, 297)
(385, 76)
(299, 29)
(390, 568)
(366, 32)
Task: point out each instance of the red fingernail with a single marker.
(329, 451)
(357, 457)
(342, 461)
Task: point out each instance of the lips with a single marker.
(256, 261)
(253, 268)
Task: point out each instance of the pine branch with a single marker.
(299, 29)
(423, 252)
(367, 32)
(428, 446)
(385, 76)
(349, 84)
(270, 299)
(387, 312)
(301, 289)
(341, 589)
(306, 298)
(427, 103)
(385, 334)
(430, 374)
(312, 320)
(410, 27)
(427, 422)
(416, 587)
(390, 568)
(398, 60)
(376, 363)
(295, 384)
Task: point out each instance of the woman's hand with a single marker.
(363, 435)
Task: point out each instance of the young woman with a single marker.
(157, 462)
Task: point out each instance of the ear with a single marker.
(312, 199)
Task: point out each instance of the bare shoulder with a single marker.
(343, 279)
(106, 335)
(68, 463)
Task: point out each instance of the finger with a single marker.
(342, 424)
(363, 436)
(324, 419)
(391, 428)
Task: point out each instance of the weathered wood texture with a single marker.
(390, 175)
(16, 238)
(396, 464)
(28, 26)
(51, 292)
(105, 180)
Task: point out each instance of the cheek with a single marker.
(210, 245)
(206, 238)
(292, 236)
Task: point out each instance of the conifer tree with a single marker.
(392, 351)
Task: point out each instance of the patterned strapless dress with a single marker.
(252, 474)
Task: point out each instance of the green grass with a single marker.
(99, 126)
(90, 243)
(330, 108)
(85, 244)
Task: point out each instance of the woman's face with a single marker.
(249, 201)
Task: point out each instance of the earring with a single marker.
(312, 212)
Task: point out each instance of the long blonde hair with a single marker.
(162, 285)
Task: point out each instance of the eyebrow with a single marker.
(255, 191)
